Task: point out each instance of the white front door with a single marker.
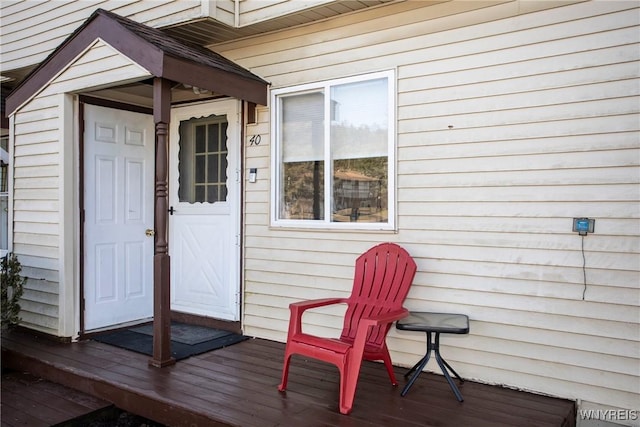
(204, 224)
(118, 203)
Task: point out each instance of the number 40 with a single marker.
(255, 140)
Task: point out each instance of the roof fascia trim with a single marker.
(131, 45)
(69, 64)
(215, 80)
(97, 27)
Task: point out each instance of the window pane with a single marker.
(212, 193)
(200, 139)
(186, 158)
(302, 142)
(360, 190)
(212, 168)
(359, 147)
(199, 169)
(303, 127)
(223, 136)
(223, 169)
(202, 160)
(360, 120)
(199, 193)
(302, 190)
(214, 138)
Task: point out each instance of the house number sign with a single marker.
(255, 140)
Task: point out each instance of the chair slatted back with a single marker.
(383, 276)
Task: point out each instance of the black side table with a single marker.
(437, 323)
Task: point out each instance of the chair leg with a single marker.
(344, 406)
(346, 398)
(348, 382)
(389, 365)
(285, 372)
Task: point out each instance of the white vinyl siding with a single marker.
(42, 240)
(509, 125)
(35, 211)
(39, 27)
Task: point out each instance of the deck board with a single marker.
(31, 401)
(237, 386)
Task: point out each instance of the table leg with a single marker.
(418, 367)
(451, 369)
(443, 366)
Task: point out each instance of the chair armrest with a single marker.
(298, 309)
(383, 319)
(315, 303)
(379, 320)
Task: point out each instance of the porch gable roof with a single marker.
(160, 54)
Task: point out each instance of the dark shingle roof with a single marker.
(180, 49)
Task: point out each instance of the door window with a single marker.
(202, 160)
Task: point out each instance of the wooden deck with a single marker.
(237, 386)
(27, 400)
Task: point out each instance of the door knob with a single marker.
(149, 232)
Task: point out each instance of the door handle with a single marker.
(149, 232)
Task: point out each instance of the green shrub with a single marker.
(12, 286)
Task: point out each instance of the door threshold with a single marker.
(125, 325)
(209, 322)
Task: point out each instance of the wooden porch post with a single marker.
(161, 266)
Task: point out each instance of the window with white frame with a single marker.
(334, 153)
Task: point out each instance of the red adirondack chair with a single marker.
(381, 282)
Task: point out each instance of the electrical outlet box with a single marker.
(584, 225)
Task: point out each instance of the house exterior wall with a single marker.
(38, 27)
(510, 123)
(45, 204)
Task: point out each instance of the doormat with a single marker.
(186, 340)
